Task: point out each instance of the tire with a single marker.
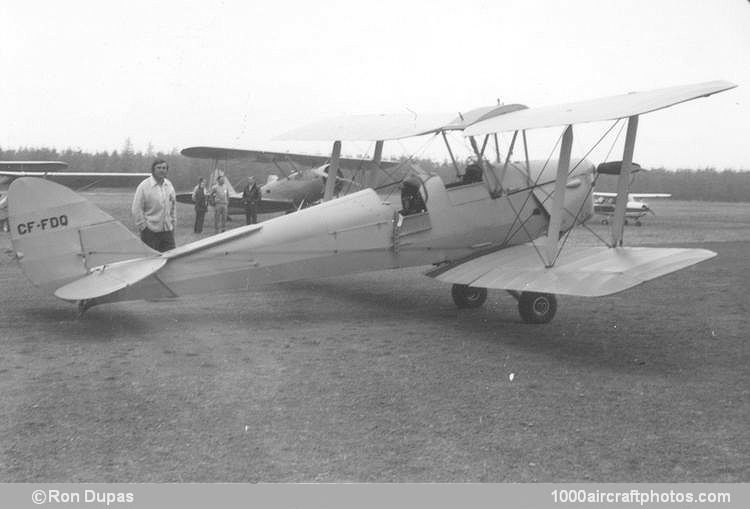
(537, 307)
(467, 297)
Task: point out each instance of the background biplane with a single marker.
(53, 170)
(504, 230)
(292, 190)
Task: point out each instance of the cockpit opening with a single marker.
(411, 199)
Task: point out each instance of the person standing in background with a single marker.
(220, 198)
(250, 199)
(200, 199)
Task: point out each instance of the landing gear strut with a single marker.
(537, 307)
(84, 305)
(468, 296)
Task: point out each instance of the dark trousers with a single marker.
(251, 215)
(161, 241)
(200, 216)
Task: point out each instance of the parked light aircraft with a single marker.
(11, 170)
(293, 190)
(604, 205)
(507, 230)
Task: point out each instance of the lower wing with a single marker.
(581, 271)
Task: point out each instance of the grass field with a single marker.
(379, 377)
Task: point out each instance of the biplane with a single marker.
(636, 208)
(503, 226)
(53, 170)
(292, 190)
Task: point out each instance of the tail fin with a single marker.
(59, 236)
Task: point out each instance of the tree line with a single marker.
(708, 184)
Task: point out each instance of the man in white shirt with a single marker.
(154, 208)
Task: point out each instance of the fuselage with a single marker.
(304, 186)
(363, 232)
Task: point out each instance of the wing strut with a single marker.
(563, 165)
(493, 184)
(377, 156)
(499, 188)
(529, 180)
(623, 182)
(450, 152)
(278, 167)
(333, 171)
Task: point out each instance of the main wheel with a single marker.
(468, 296)
(537, 307)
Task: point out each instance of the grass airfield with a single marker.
(379, 378)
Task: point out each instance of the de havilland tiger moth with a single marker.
(502, 226)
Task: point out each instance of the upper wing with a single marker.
(607, 108)
(79, 179)
(582, 271)
(33, 165)
(71, 174)
(392, 127)
(264, 156)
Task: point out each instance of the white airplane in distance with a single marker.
(53, 170)
(291, 191)
(505, 230)
(604, 205)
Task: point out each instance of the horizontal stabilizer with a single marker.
(110, 278)
(582, 271)
(114, 277)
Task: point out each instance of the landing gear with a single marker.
(638, 222)
(533, 307)
(84, 305)
(468, 296)
(537, 307)
(605, 221)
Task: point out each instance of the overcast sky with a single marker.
(174, 74)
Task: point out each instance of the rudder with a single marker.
(58, 235)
